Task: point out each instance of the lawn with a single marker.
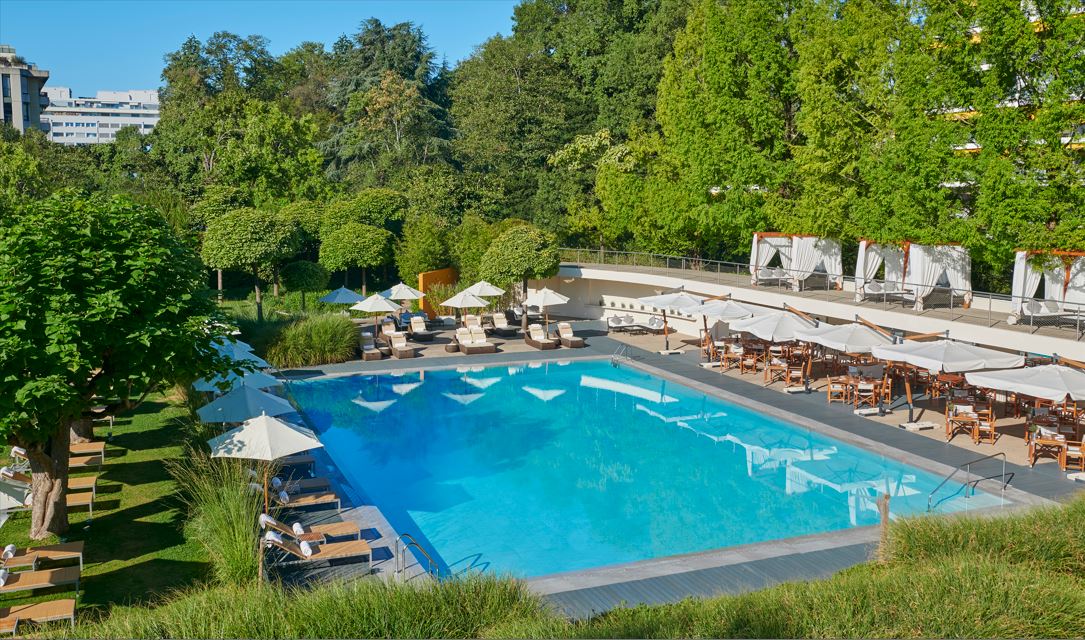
(135, 551)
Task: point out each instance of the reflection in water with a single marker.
(403, 388)
(546, 395)
(628, 389)
(376, 406)
(481, 383)
(463, 398)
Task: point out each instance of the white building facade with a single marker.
(21, 85)
(96, 120)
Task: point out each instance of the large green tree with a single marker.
(98, 298)
(519, 254)
(424, 246)
(356, 245)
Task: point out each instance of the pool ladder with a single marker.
(970, 484)
(404, 542)
(621, 354)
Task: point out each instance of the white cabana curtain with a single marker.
(1026, 280)
(927, 264)
(1075, 291)
(764, 249)
(871, 257)
(801, 256)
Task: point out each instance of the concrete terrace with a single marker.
(724, 571)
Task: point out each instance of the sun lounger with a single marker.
(22, 463)
(473, 341)
(502, 326)
(303, 500)
(419, 331)
(301, 485)
(311, 533)
(315, 551)
(536, 338)
(79, 483)
(29, 580)
(471, 321)
(568, 339)
(299, 460)
(37, 613)
(87, 449)
(369, 348)
(73, 500)
(14, 558)
(400, 349)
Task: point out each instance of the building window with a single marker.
(6, 80)
(26, 112)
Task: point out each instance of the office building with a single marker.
(70, 120)
(22, 83)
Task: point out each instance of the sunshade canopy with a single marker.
(343, 295)
(848, 338)
(545, 298)
(255, 379)
(483, 288)
(774, 327)
(263, 438)
(241, 404)
(402, 292)
(222, 343)
(727, 310)
(674, 301)
(240, 354)
(1051, 382)
(376, 303)
(947, 356)
(464, 300)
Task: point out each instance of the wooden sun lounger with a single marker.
(87, 449)
(418, 330)
(307, 485)
(325, 551)
(537, 339)
(502, 326)
(400, 349)
(30, 556)
(302, 500)
(78, 483)
(37, 613)
(568, 339)
(300, 460)
(318, 532)
(84, 462)
(30, 580)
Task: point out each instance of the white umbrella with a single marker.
(674, 301)
(236, 352)
(727, 310)
(376, 304)
(402, 292)
(542, 299)
(254, 379)
(263, 438)
(241, 404)
(485, 289)
(343, 295)
(1054, 382)
(779, 326)
(848, 338)
(227, 343)
(465, 300)
(947, 356)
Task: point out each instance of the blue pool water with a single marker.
(531, 470)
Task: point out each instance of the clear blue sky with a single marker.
(119, 44)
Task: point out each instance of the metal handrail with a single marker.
(399, 547)
(967, 466)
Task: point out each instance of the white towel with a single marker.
(18, 451)
(9, 552)
(276, 483)
(273, 537)
(266, 521)
(306, 550)
(7, 472)
(297, 529)
(284, 497)
(3, 577)
(253, 486)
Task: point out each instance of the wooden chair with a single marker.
(838, 390)
(748, 363)
(866, 394)
(730, 357)
(960, 417)
(984, 425)
(775, 370)
(795, 376)
(1072, 456)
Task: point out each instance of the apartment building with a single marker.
(71, 120)
(21, 83)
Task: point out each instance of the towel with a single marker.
(254, 486)
(284, 497)
(7, 472)
(18, 451)
(9, 552)
(273, 537)
(306, 550)
(276, 483)
(3, 577)
(253, 474)
(266, 521)
(297, 529)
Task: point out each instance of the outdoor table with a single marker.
(1045, 445)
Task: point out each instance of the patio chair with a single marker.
(837, 390)
(730, 357)
(311, 533)
(369, 348)
(315, 551)
(15, 558)
(537, 339)
(960, 417)
(78, 483)
(502, 326)
(795, 376)
(303, 500)
(866, 394)
(616, 324)
(418, 330)
(775, 371)
(567, 338)
(17, 581)
(655, 325)
(1073, 456)
(400, 349)
(984, 425)
(38, 613)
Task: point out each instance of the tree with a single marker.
(303, 276)
(468, 242)
(21, 174)
(377, 207)
(98, 297)
(518, 254)
(249, 240)
(424, 246)
(355, 245)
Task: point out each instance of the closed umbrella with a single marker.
(1054, 382)
(779, 326)
(254, 379)
(677, 300)
(343, 295)
(465, 300)
(484, 289)
(241, 404)
(542, 299)
(376, 304)
(263, 438)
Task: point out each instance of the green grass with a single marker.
(135, 551)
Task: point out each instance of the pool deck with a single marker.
(725, 571)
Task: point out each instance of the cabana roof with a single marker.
(913, 270)
(800, 255)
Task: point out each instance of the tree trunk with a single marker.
(82, 430)
(363, 281)
(275, 284)
(303, 300)
(523, 317)
(259, 298)
(346, 276)
(219, 283)
(49, 479)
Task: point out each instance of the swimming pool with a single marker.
(536, 469)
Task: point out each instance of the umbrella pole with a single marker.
(666, 336)
(259, 546)
(707, 351)
(908, 394)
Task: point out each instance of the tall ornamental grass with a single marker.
(221, 512)
(315, 340)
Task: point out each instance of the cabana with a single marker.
(800, 256)
(1063, 275)
(912, 271)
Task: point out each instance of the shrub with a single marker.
(222, 512)
(325, 339)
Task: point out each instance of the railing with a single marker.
(967, 466)
(399, 550)
(977, 307)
